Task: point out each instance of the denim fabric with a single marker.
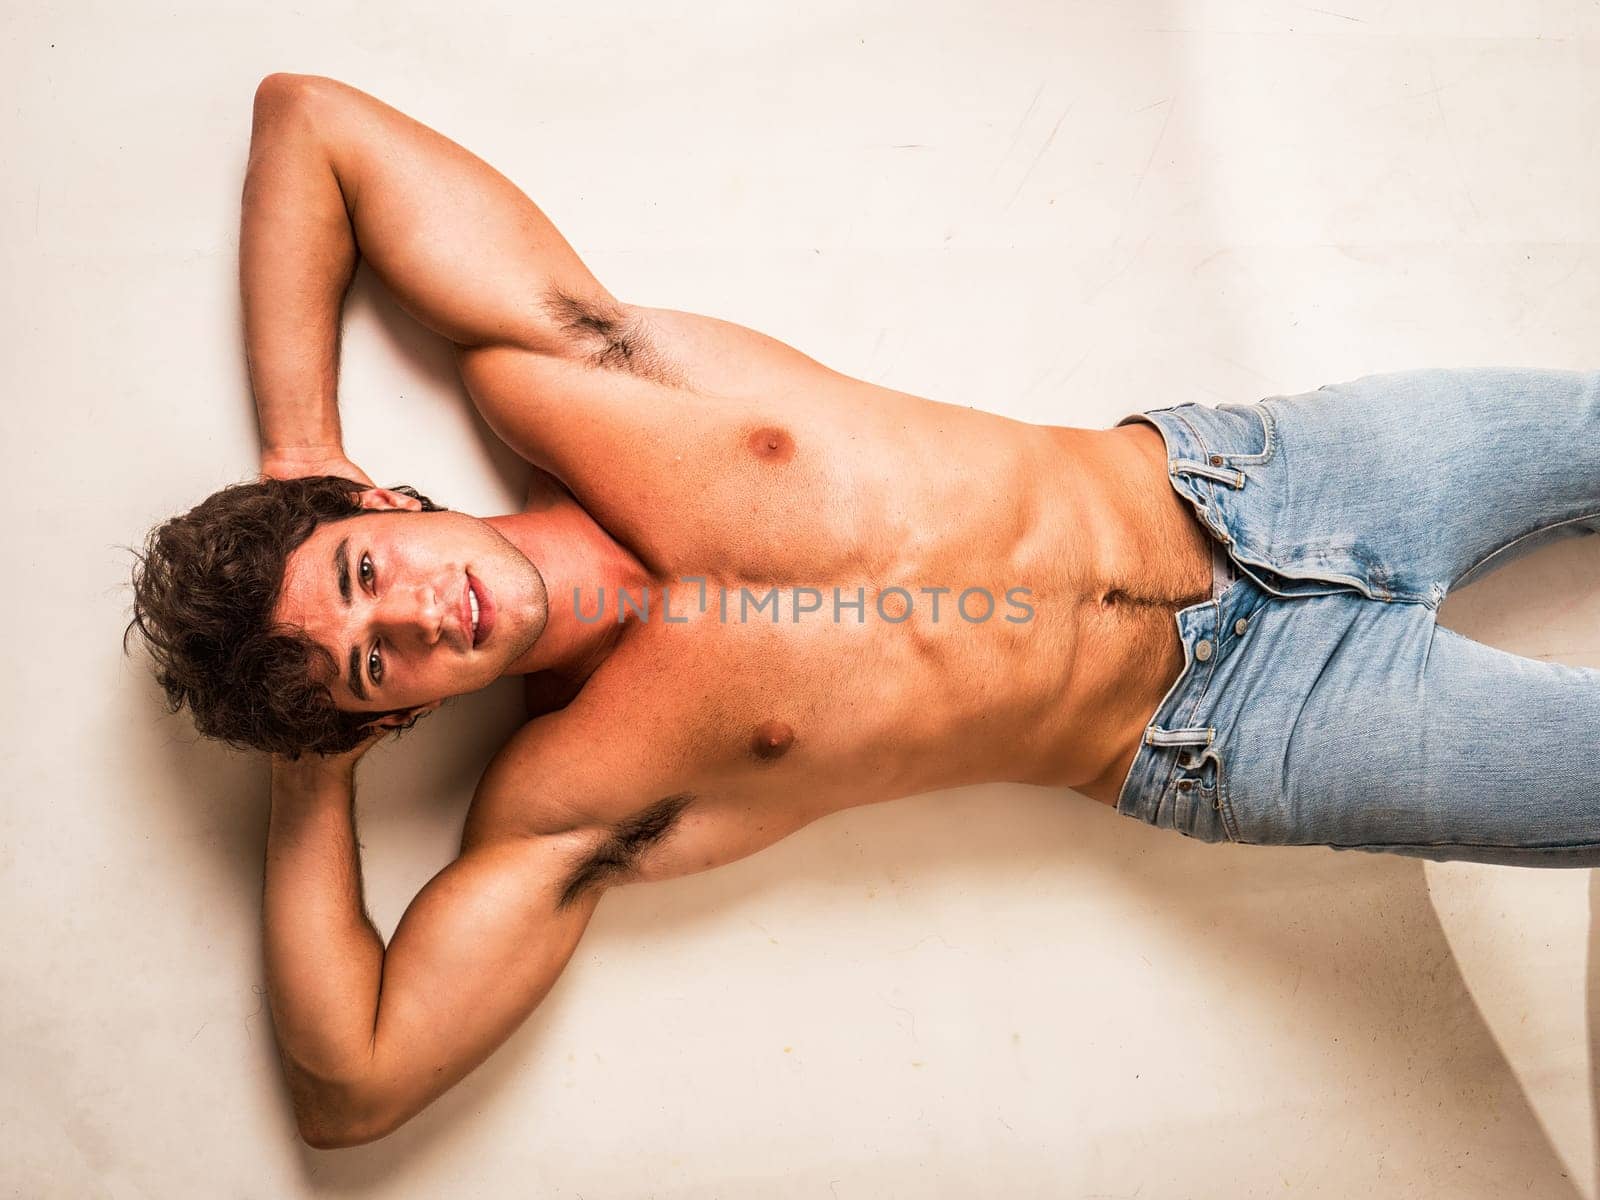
(1320, 702)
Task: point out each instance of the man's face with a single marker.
(389, 595)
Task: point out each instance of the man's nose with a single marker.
(411, 614)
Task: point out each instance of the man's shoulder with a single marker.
(601, 798)
(569, 770)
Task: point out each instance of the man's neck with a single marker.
(571, 550)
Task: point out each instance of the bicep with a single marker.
(477, 950)
(463, 249)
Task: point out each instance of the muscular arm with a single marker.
(335, 176)
(607, 395)
(369, 1036)
(296, 259)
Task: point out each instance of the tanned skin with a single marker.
(662, 446)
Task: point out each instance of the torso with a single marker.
(695, 743)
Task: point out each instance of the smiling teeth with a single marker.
(472, 599)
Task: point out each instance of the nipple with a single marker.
(771, 739)
(771, 443)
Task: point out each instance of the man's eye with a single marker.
(375, 665)
(364, 569)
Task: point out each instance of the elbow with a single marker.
(322, 1134)
(335, 1117)
(328, 1128)
(282, 88)
(285, 100)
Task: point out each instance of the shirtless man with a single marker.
(679, 458)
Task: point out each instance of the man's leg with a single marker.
(1358, 724)
(1323, 705)
(1420, 481)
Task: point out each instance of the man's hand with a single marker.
(311, 769)
(297, 462)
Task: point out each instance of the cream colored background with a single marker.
(1060, 211)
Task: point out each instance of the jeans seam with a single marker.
(1390, 846)
(1225, 807)
(1521, 537)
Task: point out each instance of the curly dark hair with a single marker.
(204, 591)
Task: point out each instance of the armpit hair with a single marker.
(611, 337)
(619, 855)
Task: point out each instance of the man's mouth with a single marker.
(480, 607)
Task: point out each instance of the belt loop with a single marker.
(1156, 736)
(1233, 478)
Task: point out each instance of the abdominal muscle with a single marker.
(1109, 554)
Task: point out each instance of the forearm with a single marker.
(297, 254)
(324, 959)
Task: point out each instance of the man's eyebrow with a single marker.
(341, 563)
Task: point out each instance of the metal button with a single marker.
(1202, 649)
(1240, 625)
(1216, 460)
(1185, 784)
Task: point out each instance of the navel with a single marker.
(771, 739)
(771, 444)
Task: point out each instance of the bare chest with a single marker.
(834, 624)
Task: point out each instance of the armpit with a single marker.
(611, 336)
(629, 840)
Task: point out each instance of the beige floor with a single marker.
(1060, 211)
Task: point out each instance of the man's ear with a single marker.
(383, 498)
(391, 720)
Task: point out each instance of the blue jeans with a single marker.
(1320, 702)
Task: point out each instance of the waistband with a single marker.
(1208, 447)
(1178, 743)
